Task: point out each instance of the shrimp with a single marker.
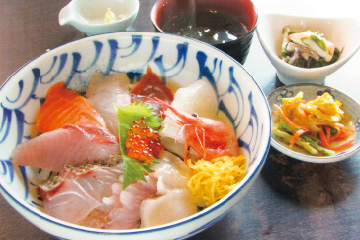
(209, 138)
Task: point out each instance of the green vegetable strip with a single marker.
(286, 137)
(309, 139)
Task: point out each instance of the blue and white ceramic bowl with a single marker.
(311, 91)
(182, 59)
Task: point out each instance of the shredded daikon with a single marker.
(213, 179)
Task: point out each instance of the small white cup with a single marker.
(88, 15)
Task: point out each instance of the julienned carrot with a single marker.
(323, 139)
(298, 134)
(336, 135)
(344, 146)
(328, 133)
(288, 105)
(324, 142)
(293, 125)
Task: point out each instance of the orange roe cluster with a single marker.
(143, 143)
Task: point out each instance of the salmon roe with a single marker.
(143, 143)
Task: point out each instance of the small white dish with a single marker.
(343, 32)
(311, 91)
(88, 15)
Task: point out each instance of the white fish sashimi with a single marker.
(174, 200)
(163, 188)
(76, 194)
(106, 89)
(135, 193)
(70, 145)
(171, 172)
(93, 196)
(167, 208)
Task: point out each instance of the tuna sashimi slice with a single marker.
(70, 145)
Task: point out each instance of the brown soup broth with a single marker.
(209, 26)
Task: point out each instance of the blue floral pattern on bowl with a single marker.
(170, 56)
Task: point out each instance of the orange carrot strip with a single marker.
(328, 133)
(298, 134)
(344, 146)
(288, 105)
(345, 133)
(287, 120)
(324, 143)
(336, 135)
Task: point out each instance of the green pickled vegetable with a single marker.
(308, 139)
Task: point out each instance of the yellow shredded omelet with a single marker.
(212, 180)
(325, 108)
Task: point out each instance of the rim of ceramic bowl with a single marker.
(308, 71)
(246, 182)
(310, 158)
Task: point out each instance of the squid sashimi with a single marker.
(64, 106)
(68, 145)
(103, 91)
(190, 123)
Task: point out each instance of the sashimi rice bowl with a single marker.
(130, 136)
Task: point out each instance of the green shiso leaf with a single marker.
(133, 169)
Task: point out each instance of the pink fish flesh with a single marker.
(92, 196)
(75, 192)
(70, 145)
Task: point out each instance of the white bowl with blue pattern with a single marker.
(311, 91)
(182, 59)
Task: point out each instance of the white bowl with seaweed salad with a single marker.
(343, 33)
(314, 123)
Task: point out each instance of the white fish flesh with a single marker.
(92, 195)
(76, 191)
(106, 89)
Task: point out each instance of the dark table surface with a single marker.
(289, 200)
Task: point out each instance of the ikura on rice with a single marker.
(125, 155)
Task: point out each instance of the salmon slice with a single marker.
(64, 106)
(70, 145)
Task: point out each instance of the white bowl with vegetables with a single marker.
(314, 123)
(69, 112)
(318, 47)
